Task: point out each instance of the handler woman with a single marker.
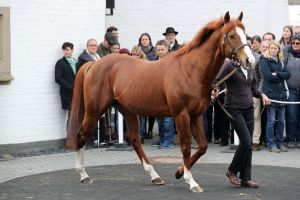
(240, 89)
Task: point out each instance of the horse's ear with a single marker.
(226, 17)
(240, 17)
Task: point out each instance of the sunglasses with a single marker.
(295, 43)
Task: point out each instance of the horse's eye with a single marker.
(231, 36)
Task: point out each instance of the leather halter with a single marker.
(233, 50)
(234, 58)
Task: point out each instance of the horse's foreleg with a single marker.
(183, 127)
(198, 134)
(133, 131)
(84, 177)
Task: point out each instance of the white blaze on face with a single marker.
(247, 49)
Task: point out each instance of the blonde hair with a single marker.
(280, 52)
(140, 51)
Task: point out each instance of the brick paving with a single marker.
(20, 167)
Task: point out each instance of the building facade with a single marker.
(134, 17)
(30, 109)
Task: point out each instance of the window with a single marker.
(5, 64)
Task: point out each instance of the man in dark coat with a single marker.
(65, 71)
(104, 47)
(170, 35)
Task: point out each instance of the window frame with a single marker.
(5, 50)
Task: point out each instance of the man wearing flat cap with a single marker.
(170, 35)
(104, 47)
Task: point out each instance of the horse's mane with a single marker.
(204, 33)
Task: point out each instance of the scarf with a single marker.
(147, 49)
(72, 62)
(296, 54)
(94, 56)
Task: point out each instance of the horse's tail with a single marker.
(77, 109)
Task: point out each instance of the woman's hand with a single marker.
(214, 93)
(265, 99)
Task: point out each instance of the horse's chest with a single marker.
(198, 106)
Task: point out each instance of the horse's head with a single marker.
(235, 45)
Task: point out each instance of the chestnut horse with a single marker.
(179, 85)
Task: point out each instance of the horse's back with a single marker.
(136, 84)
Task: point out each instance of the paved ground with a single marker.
(129, 182)
(280, 180)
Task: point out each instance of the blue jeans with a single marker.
(142, 126)
(293, 117)
(276, 117)
(166, 131)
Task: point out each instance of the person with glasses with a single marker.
(292, 61)
(275, 75)
(89, 54)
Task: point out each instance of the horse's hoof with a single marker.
(158, 181)
(87, 180)
(178, 175)
(197, 189)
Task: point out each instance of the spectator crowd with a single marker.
(277, 73)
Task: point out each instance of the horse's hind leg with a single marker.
(184, 129)
(84, 177)
(89, 123)
(198, 134)
(132, 123)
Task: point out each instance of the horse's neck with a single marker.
(211, 60)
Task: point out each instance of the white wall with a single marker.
(294, 11)
(134, 17)
(30, 108)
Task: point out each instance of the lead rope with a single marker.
(237, 66)
(235, 120)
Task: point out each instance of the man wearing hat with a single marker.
(170, 35)
(104, 47)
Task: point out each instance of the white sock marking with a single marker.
(188, 177)
(79, 164)
(149, 168)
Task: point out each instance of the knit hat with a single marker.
(296, 37)
(110, 38)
